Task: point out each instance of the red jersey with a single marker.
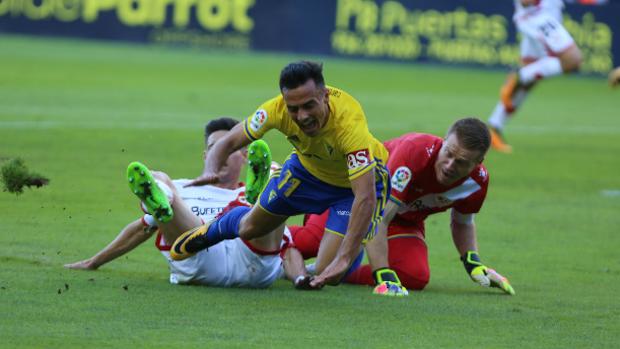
(414, 182)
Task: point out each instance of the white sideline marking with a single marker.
(574, 129)
(49, 124)
(611, 192)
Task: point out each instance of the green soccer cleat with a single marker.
(143, 185)
(257, 175)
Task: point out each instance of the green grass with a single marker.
(78, 112)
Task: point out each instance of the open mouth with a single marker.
(308, 126)
(447, 174)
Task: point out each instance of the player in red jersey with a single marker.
(429, 175)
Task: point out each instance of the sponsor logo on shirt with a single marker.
(401, 178)
(258, 120)
(358, 158)
(206, 211)
(430, 150)
(482, 173)
(343, 213)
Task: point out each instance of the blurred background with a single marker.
(468, 32)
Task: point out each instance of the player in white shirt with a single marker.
(232, 263)
(547, 50)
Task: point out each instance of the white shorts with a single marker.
(230, 263)
(543, 35)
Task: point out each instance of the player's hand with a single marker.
(484, 275)
(388, 283)
(86, 264)
(205, 178)
(614, 77)
(332, 274)
(303, 283)
(388, 288)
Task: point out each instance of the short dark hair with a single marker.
(298, 73)
(220, 124)
(472, 134)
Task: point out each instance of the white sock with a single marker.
(500, 116)
(542, 68)
(149, 221)
(311, 268)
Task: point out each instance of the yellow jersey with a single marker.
(343, 150)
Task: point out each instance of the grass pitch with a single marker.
(79, 112)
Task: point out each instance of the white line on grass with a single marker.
(610, 192)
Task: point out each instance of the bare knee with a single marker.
(571, 59)
(164, 178)
(250, 229)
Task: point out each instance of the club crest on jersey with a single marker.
(358, 158)
(272, 195)
(401, 178)
(258, 120)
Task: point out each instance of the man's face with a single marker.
(455, 162)
(308, 106)
(232, 168)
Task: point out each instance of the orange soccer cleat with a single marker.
(508, 90)
(497, 141)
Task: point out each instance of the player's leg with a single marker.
(514, 91)
(183, 219)
(272, 210)
(307, 238)
(338, 219)
(143, 185)
(327, 250)
(409, 258)
(259, 164)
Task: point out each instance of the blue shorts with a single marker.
(295, 191)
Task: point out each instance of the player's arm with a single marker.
(464, 237)
(296, 271)
(377, 248)
(361, 214)
(386, 280)
(129, 238)
(217, 156)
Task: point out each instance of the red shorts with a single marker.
(407, 256)
(407, 251)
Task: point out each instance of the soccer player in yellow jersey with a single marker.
(336, 163)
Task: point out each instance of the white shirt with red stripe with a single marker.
(414, 182)
(230, 263)
(548, 7)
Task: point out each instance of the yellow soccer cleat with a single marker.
(190, 243)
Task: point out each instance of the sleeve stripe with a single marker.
(247, 131)
(362, 170)
(395, 200)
